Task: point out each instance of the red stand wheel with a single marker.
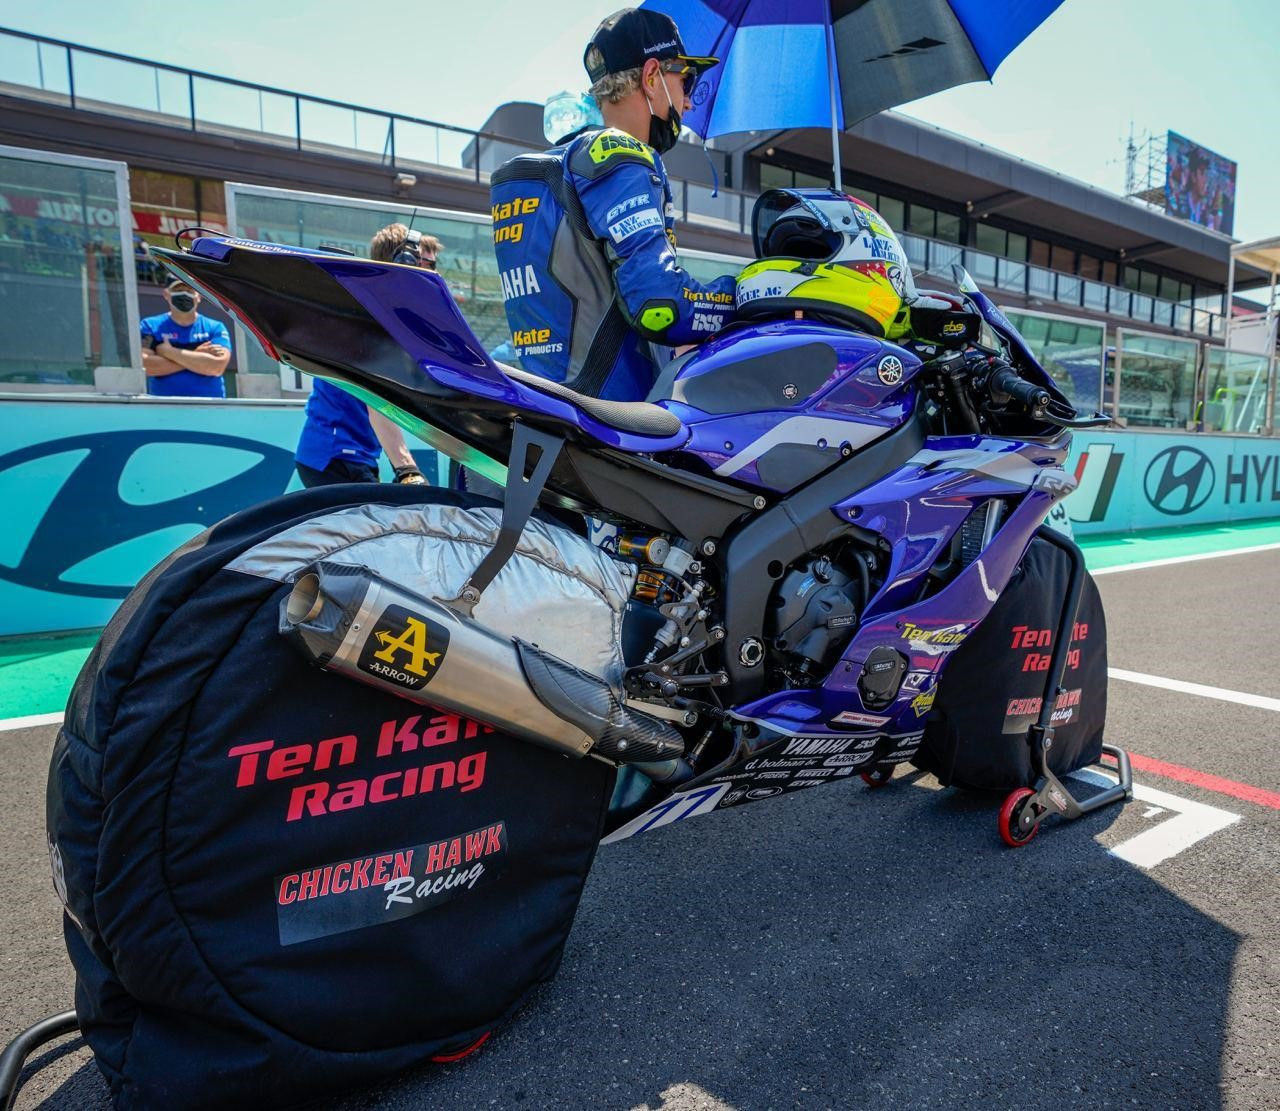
(878, 777)
(1012, 831)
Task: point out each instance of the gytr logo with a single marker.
(1179, 480)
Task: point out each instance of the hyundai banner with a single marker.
(98, 491)
(1134, 481)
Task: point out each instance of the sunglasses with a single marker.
(688, 75)
(427, 263)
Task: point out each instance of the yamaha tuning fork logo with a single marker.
(889, 370)
(1179, 480)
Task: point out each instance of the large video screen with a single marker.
(1199, 185)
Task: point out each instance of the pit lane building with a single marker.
(1099, 283)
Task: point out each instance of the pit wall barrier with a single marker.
(97, 490)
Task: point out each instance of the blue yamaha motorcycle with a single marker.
(817, 519)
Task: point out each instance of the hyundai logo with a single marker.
(87, 513)
(1179, 480)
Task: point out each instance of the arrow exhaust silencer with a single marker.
(349, 621)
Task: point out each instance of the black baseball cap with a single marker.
(630, 37)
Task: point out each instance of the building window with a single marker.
(774, 177)
(1088, 267)
(1108, 272)
(1017, 248)
(1063, 258)
(1039, 253)
(893, 212)
(989, 239)
(948, 227)
(920, 220)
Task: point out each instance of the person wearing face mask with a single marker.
(584, 233)
(184, 354)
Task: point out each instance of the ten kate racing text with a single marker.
(264, 761)
(1028, 640)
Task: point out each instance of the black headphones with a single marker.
(410, 251)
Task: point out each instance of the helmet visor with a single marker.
(834, 212)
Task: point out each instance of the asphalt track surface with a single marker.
(847, 948)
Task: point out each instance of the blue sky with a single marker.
(1065, 98)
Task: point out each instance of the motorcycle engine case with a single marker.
(812, 612)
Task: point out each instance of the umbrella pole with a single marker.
(831, 84)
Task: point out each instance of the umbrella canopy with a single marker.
(831, 63)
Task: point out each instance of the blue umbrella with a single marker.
(831, 63)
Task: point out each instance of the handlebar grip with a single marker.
(1005, 379)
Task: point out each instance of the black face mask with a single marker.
(663, 133)
(182, 302)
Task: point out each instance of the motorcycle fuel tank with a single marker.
(772, 405)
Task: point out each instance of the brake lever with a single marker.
(1098, 420)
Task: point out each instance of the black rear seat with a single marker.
(640, 418)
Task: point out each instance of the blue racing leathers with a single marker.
(585, 240)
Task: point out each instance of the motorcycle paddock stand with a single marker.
(26, 1043)
(1026, 807)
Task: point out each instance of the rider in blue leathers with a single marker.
(584, 233)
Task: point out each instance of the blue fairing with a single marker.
(773, 404)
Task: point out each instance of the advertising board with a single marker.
(1199, 185)
(1134, 481)
(98, 491)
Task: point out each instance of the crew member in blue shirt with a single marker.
(342, 437)
(184, 354)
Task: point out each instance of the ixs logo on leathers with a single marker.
(1179, 480)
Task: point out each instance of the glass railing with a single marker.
(66, 300)
(1073, 351)
(935, 257)
(98, 80)
(1157, 379)
(1235, 391)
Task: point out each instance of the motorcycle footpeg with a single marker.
(589, 703)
